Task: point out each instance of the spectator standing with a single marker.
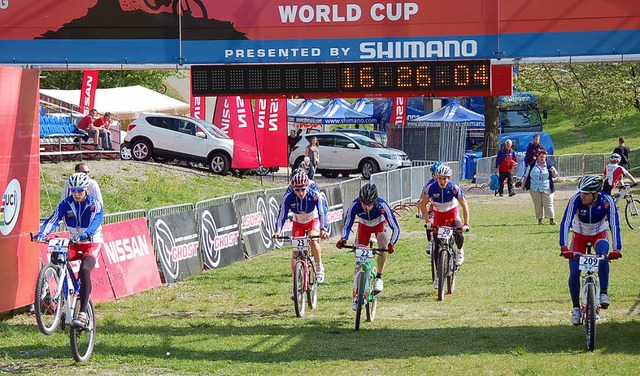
(93, 188)
(85, 126)
(313, 152)
(294, 137)
(102, 125)
(539, 181)
(614, 174)
(505, 162)
(623, 150)
(533, 149)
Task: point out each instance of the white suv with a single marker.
(162, 137)
(347, 153)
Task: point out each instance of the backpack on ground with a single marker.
(495, 184)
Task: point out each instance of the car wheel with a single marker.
(330, 174)
(125, 153)
(368, 168)
(262, 171)
(220, 164)
(141, 150)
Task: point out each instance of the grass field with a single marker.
(508, 316)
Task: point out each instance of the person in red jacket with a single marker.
(85, 126)
(505, 162)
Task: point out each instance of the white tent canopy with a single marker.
(123, 102)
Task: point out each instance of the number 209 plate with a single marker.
(589, 263)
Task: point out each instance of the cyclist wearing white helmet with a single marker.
(82, 215)
(587, 213)
(445, 197)
(614, 174)
(94, 188)
(309, 216)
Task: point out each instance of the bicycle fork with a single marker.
(586, 281)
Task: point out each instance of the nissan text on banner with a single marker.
(234, 116)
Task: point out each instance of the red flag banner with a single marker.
(271, 125)
(198, 107)
(233, 116)
(88, 91)
(399, 113)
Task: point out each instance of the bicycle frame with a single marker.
(365, 273)
(443, 236)
(302, 259)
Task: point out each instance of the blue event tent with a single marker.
(453, 112)
(335, 111)
(303, 108)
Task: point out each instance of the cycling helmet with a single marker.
(300, 179)
(615, 157)
(368, 193)
(444, 170)
(79, 180)
(590, 184)
(434, 167)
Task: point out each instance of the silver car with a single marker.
(342, 153)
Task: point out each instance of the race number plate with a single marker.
(445, 233)
(589, 263)
(58, 245)
(300, 243)
(364, 254)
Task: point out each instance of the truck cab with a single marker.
(521, 113)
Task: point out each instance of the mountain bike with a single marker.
(590, 292)
(365, 274)
(446, 268)
(632, 206)
(184, 4)
(305, 288)
(57, 301)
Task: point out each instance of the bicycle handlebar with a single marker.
(48, 237)
(435, 228)
(289, 238)
(354, 247)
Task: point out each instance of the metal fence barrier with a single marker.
(172, 209)
(124, 216)
(213, 201)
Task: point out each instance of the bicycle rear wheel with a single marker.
(371, 307)
(312, 290)
(590, 320)
(48, 307)
(632, 213)
(443, 263)
(360, 295)
(83, 339)
(298, 289)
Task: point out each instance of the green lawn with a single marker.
(508, 316)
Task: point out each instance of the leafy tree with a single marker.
(72, 80)
(588, 92)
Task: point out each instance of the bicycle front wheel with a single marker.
(48, 307)
(361, 281)
(83, 338)
(298, 289)
(632, 213)
(451, 277)
(443, 266)
(590, 319)
(371, 307)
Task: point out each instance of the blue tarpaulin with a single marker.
(453, 112)
(336, 111)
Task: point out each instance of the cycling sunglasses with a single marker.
(300, 189)
(77, 190)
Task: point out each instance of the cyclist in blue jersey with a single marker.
(444, 197)
(374, 216)
(588, 213)
(309, 217)
(83, 218)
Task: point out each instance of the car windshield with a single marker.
(212, 128)
(366, 141)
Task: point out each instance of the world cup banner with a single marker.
(296, 31)
(219, 235)
(128, 257)
(175, 240)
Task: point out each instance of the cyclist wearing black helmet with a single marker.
(587, 213)
(374, 217)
